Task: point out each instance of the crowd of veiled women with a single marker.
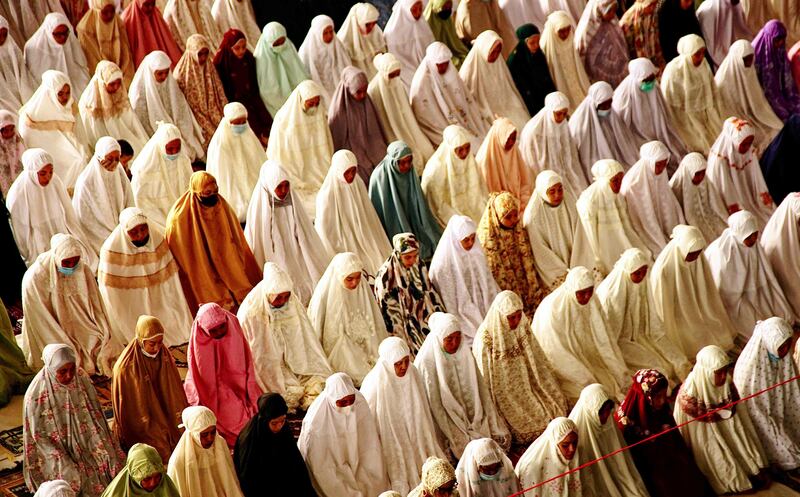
(448, 235)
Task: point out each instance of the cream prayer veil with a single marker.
(566, 66)
(702, 204)
(346, 220)
(781, 243)
(234, 158)
(325, 61)
(577, 339)
(543, 460)
(362, 47)
(407, 38)
(485, 452)
(43, 52)
(634, 323)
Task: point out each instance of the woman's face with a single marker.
(110, 161)
(278, 300)
(202, 56)
(66, 373)
(405, 164)
(785, 348)
(615, 183)
(560, 115)
(239, 48)
(584, 296)
(510, 219)
(745, 145)
(720, 376)
(698, 56)
(173, 147)
(452, 342)
(161, 75)
(107, 13)
(139, 234)
(151, 482)
(61, 34)
(153, 345)
(346, 401)
(685, 4)
(605, 411)
(443, 67)
(114, 86)
(279, 42)
(327, 34)
(698, 177)
(208, 436)
(568, 445)
(394, 74)
(311, 103)
(660, 166)
(282, 190)
(532, 42)
(219, 331)
(401, 366)
(468, 242)
(751, 240)
(555, 194)
(350, 174)
(563, 33)
(748, 60)
(45, 174)
(238, 120)
(3, 36)
(8, 131)
(510, 141)
(692, 256)
(276, 424)
(463, 151)
(368, 27)
(495, 52)
(416, 10)
(409, 258)
(638, 275)
(514, 319)
(64, 94)
(352, 280)
(779, 42)
(360, 94)
(658, 399)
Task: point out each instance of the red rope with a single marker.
(652, 437)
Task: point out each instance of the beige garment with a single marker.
(188, 17)
(453, 185)
(758, 12)
(702, 204)
(566, 66)
(685, 297)
(491, 83)
(781, 243)
(236, 14)
(691, 96)
(389, 95)
(362, 47)
(543, 461)
(740, 94)
(474, 17)
(501, 167)
(632, 317)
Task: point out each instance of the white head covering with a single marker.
(362, 47)
(199, 471)
(744, 276)
(324, 61)
(390, 98)
(18, 84)
(54, 488)
(45, 123)
(439, 100)
(301, 141)
(702, 204)
(234, 157)
(158, 181)
(491, 83)
(471, 483)
(101, 195)
(566, 66)
(239, 15)
(350, 465)
(42, 52)
(577, 339)
(602, 137)
(460, 402)
(349, 322)
(401, 410)
(144, 280)
(407, 38)
(155, 102)
(685, 297)
(463, 278)
(346, 220)
(286, 350)
(738, 176)
(723, 23)
(543, 460)
(646, 112)
(759, 367)
(652, 205)
(454, 186)
(605, 219)
(546, 144)
(781, 243)
(741, 94)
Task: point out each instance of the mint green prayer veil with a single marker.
(279, 69)
(143, 461)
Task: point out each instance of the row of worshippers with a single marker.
(717, 444)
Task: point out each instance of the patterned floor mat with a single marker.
(11, 440)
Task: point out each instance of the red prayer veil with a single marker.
(148, 33)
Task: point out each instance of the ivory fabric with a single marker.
(652, 206)
(279, 68)
(362, 47)
(325, 61)
(598, 136)
(702, 204)
(101, 195)
(158, 181)
(279, 230)
(348, 322)
(234, 158)
(759, 367)
(105, 40)
(633, 322)
(691, 95)
(389, 95)
(601, 44)
(519, 375)
(43, 53)
(616, 476)
(744, 277)
(723, 23)
(62, 308)
(546, 144)
(287, 353)
(197, 471)
(39, 212)
(482, 453)
(578, 340)
(155, 102)
(233, 14)
(454, 186)
(605, 219)
(646, 112)
(491, 83)
(741, 95)
(461, 404)
(725, 446)
(779, 239)
(110, 114)
(144, 280)
(11, 150)
(45, 123)
(407, 38)
(463, 277)
(557, 238)
(738, 175)
(18, 82)
(301, 141)
(566, 66)
(543, 460)
(187, 18)
(686, 297)
(402, 415)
